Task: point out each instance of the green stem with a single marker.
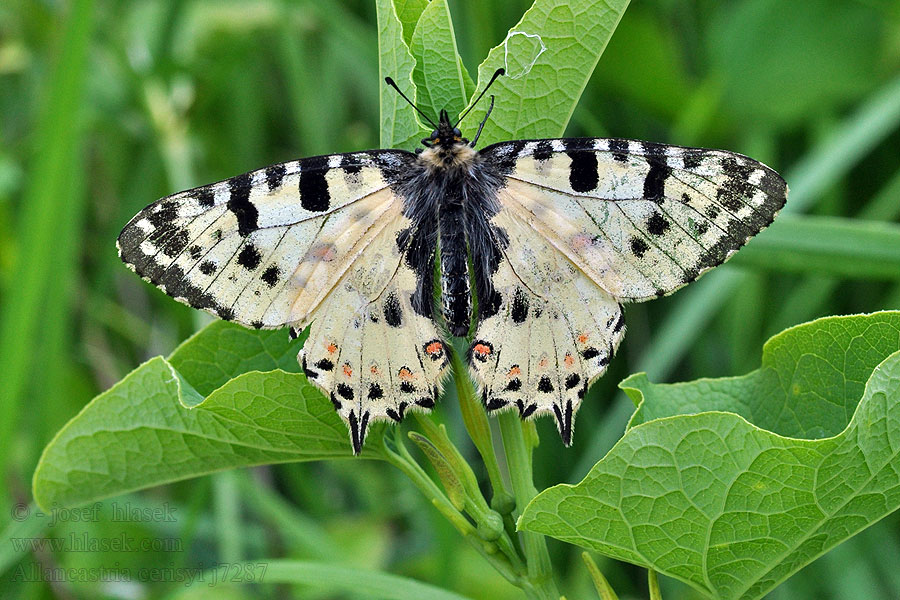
(401, 458)
(603, 588)
(479, 430)
(654, 585)
(490, 523)
(518, 459)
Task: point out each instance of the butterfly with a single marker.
(528, 248)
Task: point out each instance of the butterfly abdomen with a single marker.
(455, 294)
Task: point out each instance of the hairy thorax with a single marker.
(441, 158)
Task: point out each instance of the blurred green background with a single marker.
(108, 105)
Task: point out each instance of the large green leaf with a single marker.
(439, 74)
(153, 427)
(549, 56)
(735, 499)
(399, 125)
(222, 350)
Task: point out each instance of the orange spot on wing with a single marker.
(543, 363)
(569, 360)
(482, 349)
(434, 348)
(331, 348)
(514, 371)
(583, 338)
(405, 374)
(374, 369)
(347, 370)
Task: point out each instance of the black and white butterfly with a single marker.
(554, 235)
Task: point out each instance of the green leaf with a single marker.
(221, 351)
(726, 505)
(439, 73)
(331, 578)
(153, 427)
(408, 12)
(549, 56)
(399, 125)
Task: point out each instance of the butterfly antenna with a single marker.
(391, 83)
(497, 74)
(483, 121)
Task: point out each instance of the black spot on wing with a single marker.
(519, 306)
(526, 411)
(514, 385)
(544, 385)
(249, 257)
(620, 322)
(239, 204)
(358, 429)
(572, 380)
(270, 275)
(737, 188)
(310, 374)
(590, 353)
(639, 246)
(350, 165)
(407, 388)
(314, 195)
(495, 404)
(393, 314)
(175, 242)
(657, 224)
(375, 391)
(345, 391)
(504, 156)
(619, 149)
(196, 252)
(274, 176)
(207, 267)
(324, 364)
(583, 175)
(205, 196)
(655, 181)
(165, 214)
(543, 150)
(692, 158)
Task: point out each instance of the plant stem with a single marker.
(654, 585)
(603, 588)
(477, 426)
(518, 459)
(402, 459)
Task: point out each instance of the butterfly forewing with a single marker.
(640, 219)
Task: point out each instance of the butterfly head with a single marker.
(446, 135)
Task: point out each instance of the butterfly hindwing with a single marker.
(368, 349)
(554, 334)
